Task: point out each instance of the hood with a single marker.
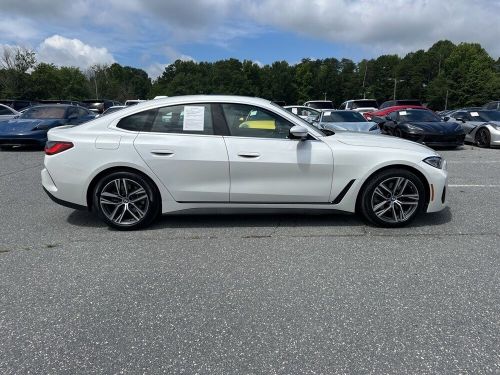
(350, 126)
(436, 127)
(379, 141)
(26, 125)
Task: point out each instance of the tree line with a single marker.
(445, 74)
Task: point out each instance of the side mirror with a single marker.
(446, 118)
(299, 132)
(387, 118)
(460, 118)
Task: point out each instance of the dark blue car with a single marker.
(31, 127)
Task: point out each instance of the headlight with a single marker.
(435, 161)
(414, 129)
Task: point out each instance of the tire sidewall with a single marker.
(368, 189)
(153, 196)
(488, 137)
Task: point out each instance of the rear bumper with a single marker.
(51, 189)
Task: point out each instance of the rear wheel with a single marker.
(398, 133)
(392, 198)
(126, 200)
(483, 138)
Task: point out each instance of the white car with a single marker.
(229, 152)
(360, 105)
(7, 113)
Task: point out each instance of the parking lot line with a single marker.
(474, 185)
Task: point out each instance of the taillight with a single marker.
(52, 148)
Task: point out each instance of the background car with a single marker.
(6, 112)
(133, 102)
(18, 104)
(113, 109)
(407, 102)
(31, 127)
(345, 121)
(99, 105)
(360, 105)
(144, 160)
(482, 127)
(494, 106)
(319, 104)
(423, 126)
(386, 111)
(307, 113)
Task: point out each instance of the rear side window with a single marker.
(184, 119)
(138, 121)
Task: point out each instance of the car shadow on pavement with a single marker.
(228, 220)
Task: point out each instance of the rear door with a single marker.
(179, 145)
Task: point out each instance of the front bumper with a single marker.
(436, 140)
(438, 187)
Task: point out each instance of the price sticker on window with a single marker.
(403, 113)
(474, 114)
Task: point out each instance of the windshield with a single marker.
(44, 113)
(364, 104)
(418, 116)
(489, 115)
(321, 105)
(342, 116)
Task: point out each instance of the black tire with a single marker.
(483, 138)
(398, 133)
(138, 208)
(413, 196)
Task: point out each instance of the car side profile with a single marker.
(31, 127)
(482, 127)
(192, 152)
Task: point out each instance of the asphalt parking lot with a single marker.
(270, 294)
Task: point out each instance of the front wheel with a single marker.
(126, 200)
(483, 138)
(392, 198)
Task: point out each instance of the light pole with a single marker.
(395, 85)
(94, 69)
(364, 80)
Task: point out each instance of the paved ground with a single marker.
(251, 294)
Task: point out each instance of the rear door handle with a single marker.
(162, 152)
(249, 155)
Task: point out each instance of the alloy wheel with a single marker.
(124, 201)
(395, 200)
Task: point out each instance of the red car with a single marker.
(384, 112)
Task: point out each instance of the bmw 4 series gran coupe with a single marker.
(236, 153)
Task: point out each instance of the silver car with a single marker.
(482, 127)
(350, 121)
(7, 113)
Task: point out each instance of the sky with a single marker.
(150, 34)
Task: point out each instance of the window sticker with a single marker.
(194, 118)
(403, 113)
(327, 113)
(294, 111)
(253, 112)
(474, 114)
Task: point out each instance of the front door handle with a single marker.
(248, 155)
(162, 152)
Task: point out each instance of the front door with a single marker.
(266, 166)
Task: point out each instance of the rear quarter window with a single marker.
(138, 121)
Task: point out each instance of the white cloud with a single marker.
(72, 52)
(385, 25)
(156, 69)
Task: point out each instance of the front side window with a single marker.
(184, 119)
(249, 121)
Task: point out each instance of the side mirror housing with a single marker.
(446, 118)
(460, 118)
(299, 132)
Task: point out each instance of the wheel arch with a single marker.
(414, 170)
(107, 171)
